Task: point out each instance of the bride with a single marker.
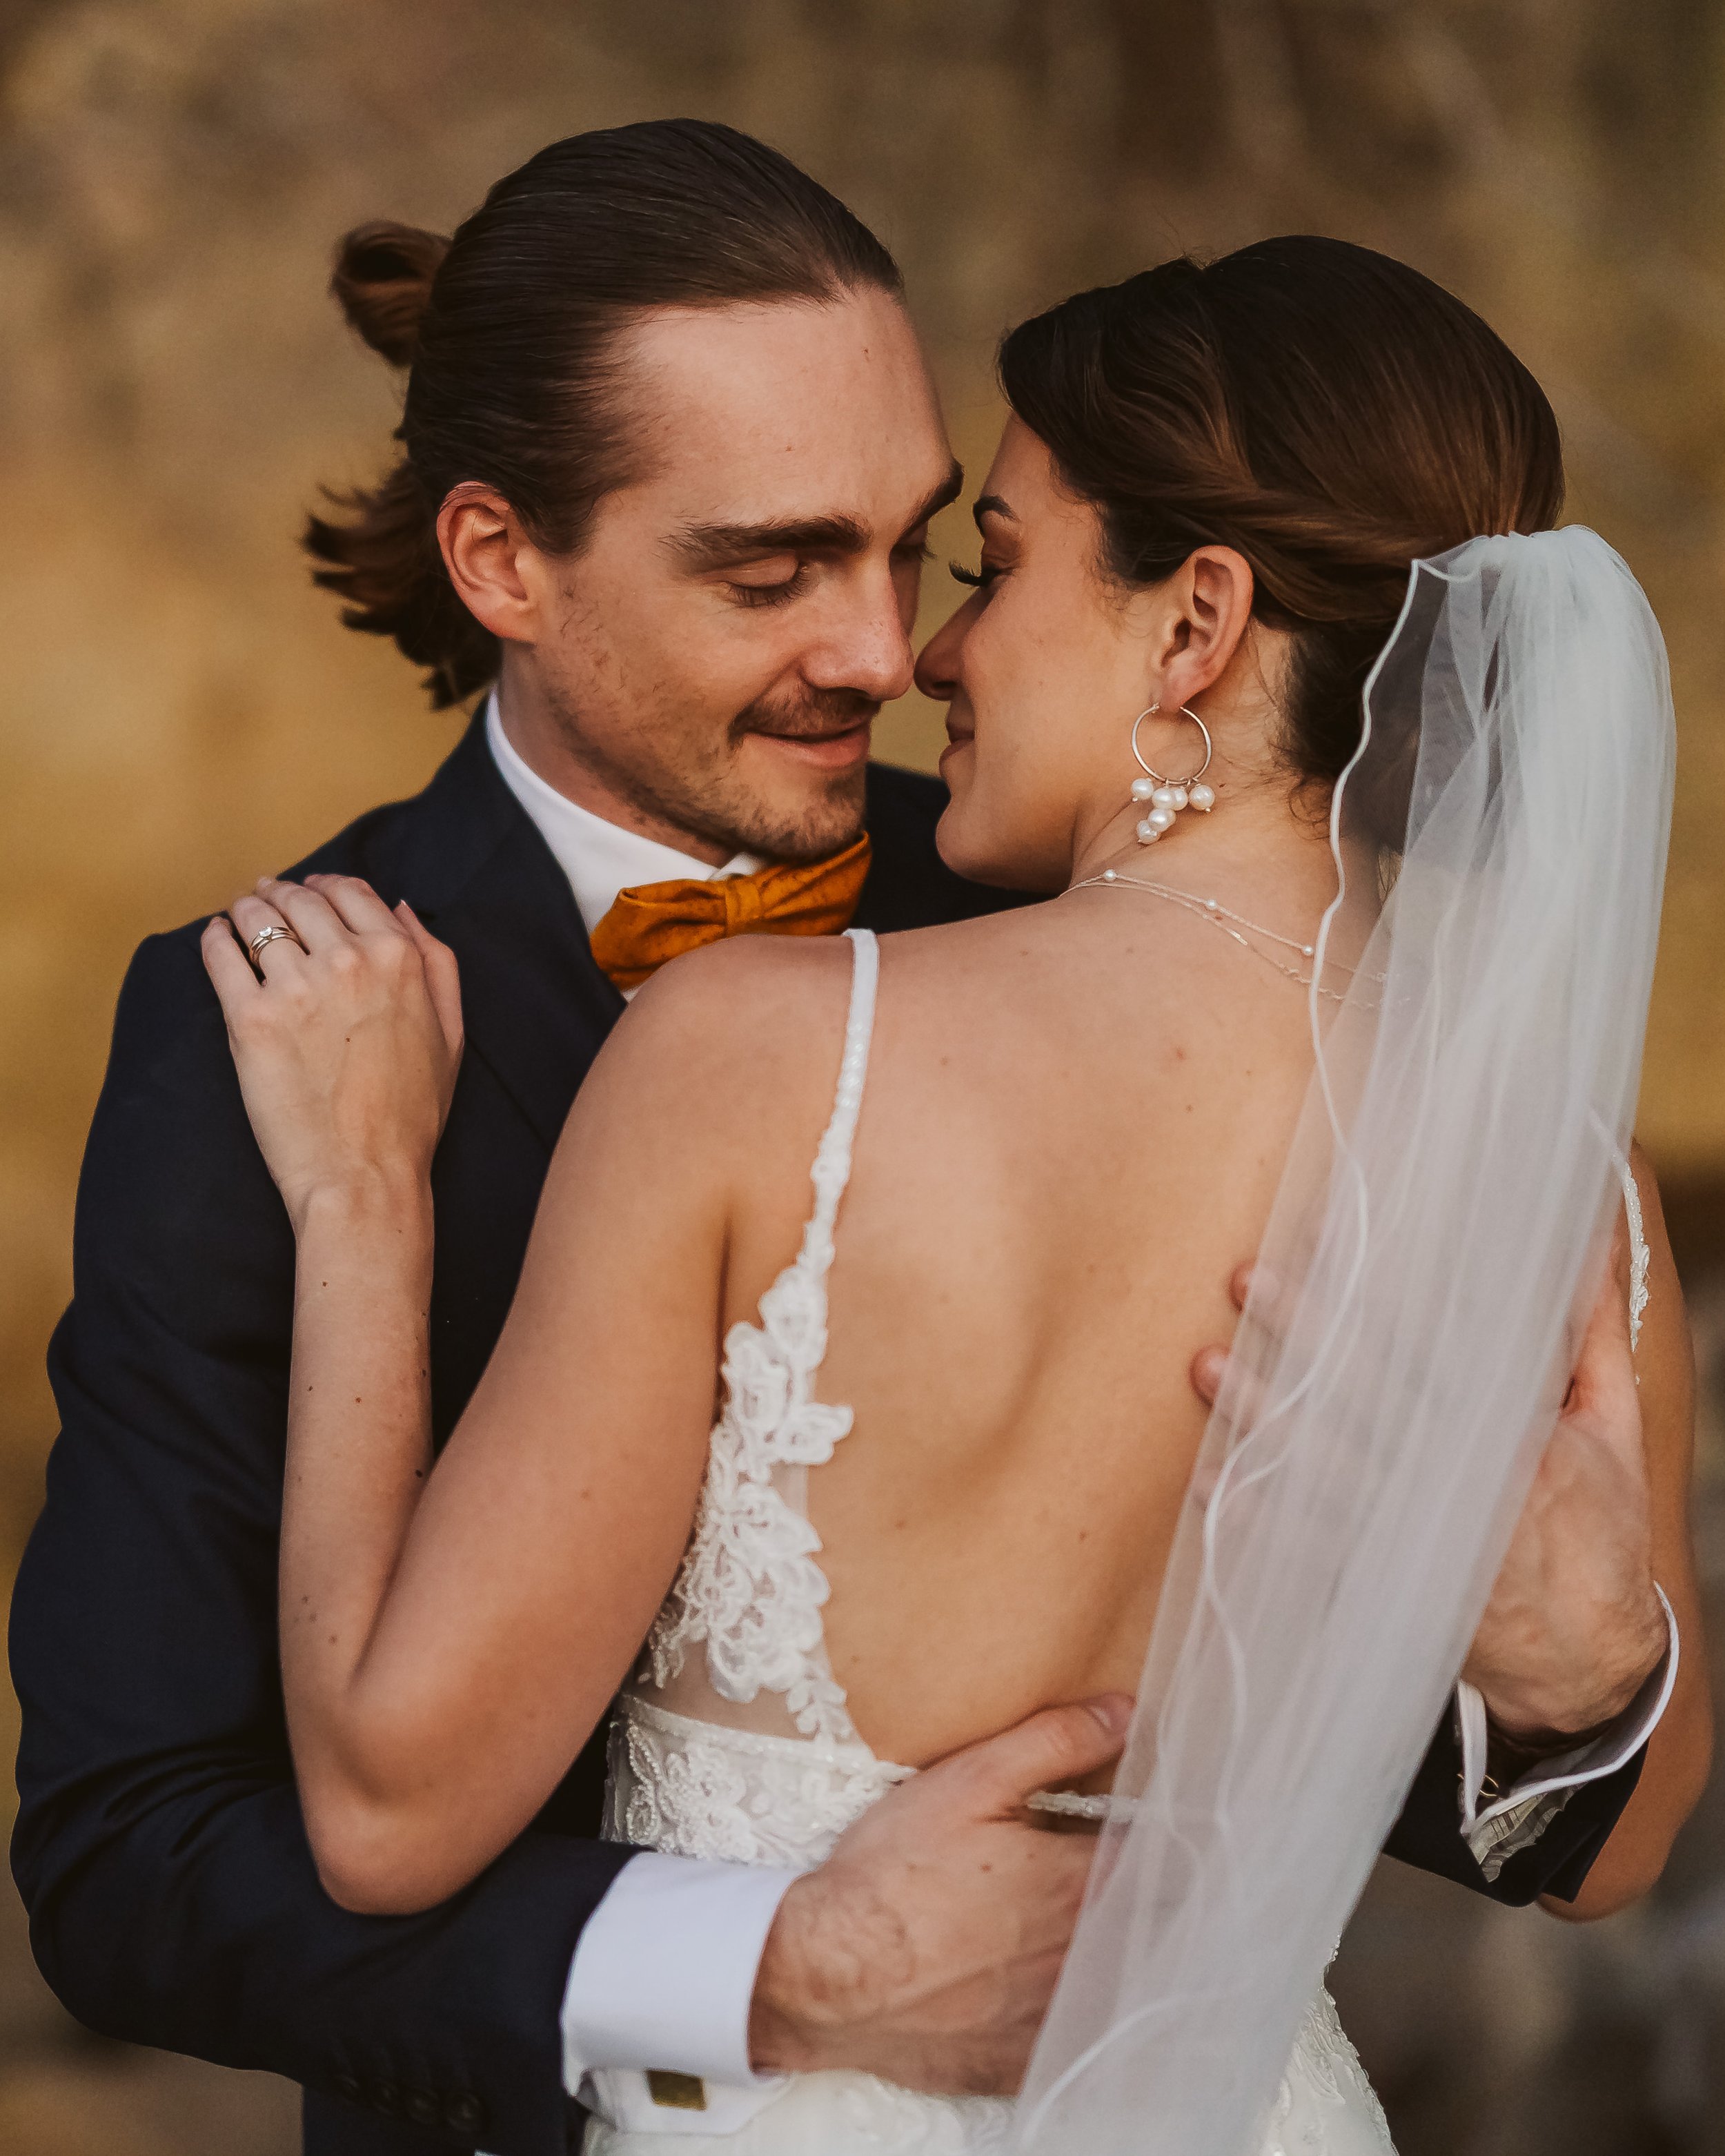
(955, 1438)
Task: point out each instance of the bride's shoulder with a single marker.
(721, 1031)
(751, 990)
(750, 1028)
(741, 993)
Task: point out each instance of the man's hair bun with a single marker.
(382, 283)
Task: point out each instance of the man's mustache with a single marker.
(827, 711)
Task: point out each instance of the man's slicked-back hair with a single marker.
(508, 334)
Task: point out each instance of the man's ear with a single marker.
(1214, 595)
(492, 563)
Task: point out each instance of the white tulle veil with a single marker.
(1443, 1217)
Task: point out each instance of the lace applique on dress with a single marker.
(750, 1587)
(695, 1788)
(1640, 1257)
(1325, 2083)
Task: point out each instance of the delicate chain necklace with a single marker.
(1213, 910)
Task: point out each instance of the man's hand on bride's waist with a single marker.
(926, 1948)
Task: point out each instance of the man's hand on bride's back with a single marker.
(1574, 1625)
(346, 1034)
(926, 1948)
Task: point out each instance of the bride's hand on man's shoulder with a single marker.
(344, 1015)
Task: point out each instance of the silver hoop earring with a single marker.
(1163, 798)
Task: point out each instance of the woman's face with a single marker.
(1042, 672)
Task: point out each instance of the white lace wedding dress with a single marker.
(733, 1741)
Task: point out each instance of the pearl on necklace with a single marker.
(1231, 923)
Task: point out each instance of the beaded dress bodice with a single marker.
(733, 1740)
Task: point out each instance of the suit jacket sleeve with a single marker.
(159, 1848)
(1428, 1835)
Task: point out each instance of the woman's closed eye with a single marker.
(981, 577)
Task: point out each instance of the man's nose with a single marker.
(870, 652)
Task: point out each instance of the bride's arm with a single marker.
(450, 1639)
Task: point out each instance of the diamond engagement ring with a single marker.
(269, 936)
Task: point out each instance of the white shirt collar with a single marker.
(599, 858)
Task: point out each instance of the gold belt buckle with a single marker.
(676, 2091)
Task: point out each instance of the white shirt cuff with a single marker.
(1556, 1777)
(665, 1969)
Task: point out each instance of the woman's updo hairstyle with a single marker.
(1328, 412)
(507, 334)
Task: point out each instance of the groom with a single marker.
(672, 457)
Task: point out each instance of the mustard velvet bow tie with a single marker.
(658, 922)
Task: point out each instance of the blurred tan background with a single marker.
(181, 711)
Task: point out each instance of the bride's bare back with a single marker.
(1074, 1123)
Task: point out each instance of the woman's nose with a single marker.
(937, 663)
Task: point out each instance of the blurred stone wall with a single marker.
(181, 711)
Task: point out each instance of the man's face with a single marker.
(723, 639)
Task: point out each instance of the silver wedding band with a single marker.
(269, 936)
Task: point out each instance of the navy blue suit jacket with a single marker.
(159, 1847)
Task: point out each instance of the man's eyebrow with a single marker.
(949, 490)
(991, 505)
(721, 546)
(717, 545)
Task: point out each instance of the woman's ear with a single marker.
(491, 561)
(1212, 608)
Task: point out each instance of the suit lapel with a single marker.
(477, 871)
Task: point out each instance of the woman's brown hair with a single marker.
(1328, 412)
(507, 332)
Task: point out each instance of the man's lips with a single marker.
(833, 749)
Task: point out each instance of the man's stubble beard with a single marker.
(715, 804)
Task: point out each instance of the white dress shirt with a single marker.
(599, 858)
(665, 1969)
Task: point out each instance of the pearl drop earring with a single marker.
(1163, 798)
